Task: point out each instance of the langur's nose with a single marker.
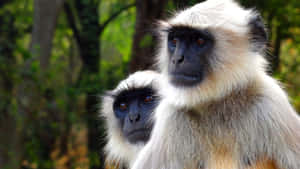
(135, 117)
(178, 60)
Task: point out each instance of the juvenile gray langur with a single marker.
(127, 110)
(219, 108)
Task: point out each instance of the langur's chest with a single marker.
(224, 154)
(225, 159)
(227, 162)
(220, 144)
(221, 157)
(263, 164)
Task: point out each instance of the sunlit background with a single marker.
(58, 56)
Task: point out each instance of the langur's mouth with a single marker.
(139, 135)
(182, 79)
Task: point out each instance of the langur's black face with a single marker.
(133, 108)
(188, 50)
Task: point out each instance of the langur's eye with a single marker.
(200, 41)
(174, 41)
(148, 99)
(123, 106)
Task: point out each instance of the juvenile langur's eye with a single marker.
(200, 41)
(148, 99)
(174, 41)
(123, 106)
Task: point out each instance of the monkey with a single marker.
(127, 111)
(219, 109)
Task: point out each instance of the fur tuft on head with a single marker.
(236, 57)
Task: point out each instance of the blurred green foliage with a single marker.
(46, 129)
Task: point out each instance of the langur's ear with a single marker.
(258, 33)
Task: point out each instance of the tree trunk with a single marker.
(147, 12)
(44, 22)
(88, 39)
(89, 46)
(179, 4)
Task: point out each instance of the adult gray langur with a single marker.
(127, 110)
(219, 107)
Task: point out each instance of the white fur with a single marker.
(213, 13)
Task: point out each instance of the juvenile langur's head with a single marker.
(127, 110)
(210, 49)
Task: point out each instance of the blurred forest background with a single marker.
(58, 56)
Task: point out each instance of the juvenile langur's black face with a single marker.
(188, 50)
(133, 109)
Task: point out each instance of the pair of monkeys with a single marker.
(214, 105)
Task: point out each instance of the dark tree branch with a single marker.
(115, 15)
(143, 45)
(71, 21)
(3, 2)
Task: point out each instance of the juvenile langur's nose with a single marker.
(133, 118)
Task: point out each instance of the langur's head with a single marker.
(208, 50)
(127, 110)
